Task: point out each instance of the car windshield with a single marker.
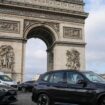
(93, 77)
(5, 78)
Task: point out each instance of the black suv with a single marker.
(69, 86)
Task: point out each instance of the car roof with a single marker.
(87, 71)
(63, 70)
(28, 81)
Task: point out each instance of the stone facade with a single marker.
(59, 23)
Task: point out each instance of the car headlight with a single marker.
(3, 89)
(6, 84)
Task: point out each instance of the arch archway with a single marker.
(46, 34)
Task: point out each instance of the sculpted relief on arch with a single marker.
(9, 26)
(72, 33)
(29, 23)
(7, 58)
(73, 59)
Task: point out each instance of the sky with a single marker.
(95, 35)
(36, 58)
(95, 38)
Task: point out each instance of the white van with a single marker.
(6, 80)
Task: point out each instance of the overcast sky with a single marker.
(95, 35)
(95, 38)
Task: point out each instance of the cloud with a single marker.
(94, 5)
(36, 54)
(35, 59)
(95, 35)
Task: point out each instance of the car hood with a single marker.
(11, 83)
(5, 88)
(101, 84)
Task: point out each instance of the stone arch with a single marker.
(46, 28)
(48, 35)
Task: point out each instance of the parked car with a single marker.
(7, 81)
(7, 95)
(69, 86)
(26, 86)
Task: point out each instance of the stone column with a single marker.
(49, 60)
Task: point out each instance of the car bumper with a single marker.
(8, 99)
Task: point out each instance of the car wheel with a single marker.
(23, 89)
(43, 99)
(102, 101)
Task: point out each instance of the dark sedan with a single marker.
(69, 86)
(7, 95)
(26, 86)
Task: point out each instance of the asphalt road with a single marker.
(25, 99)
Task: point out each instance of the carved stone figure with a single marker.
(73, 59)
(6, 57)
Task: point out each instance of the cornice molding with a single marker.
(43, 8)
(79, 2)
(41, 15)
(66, 43)
(69, 43)
(13, 39)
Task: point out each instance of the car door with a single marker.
(78, 92)
(57, 86)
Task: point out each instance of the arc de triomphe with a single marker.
(59, 23)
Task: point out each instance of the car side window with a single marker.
(46, 77)
(73, 78)
(57, 77)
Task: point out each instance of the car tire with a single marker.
(101, 101)
(44, 99)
